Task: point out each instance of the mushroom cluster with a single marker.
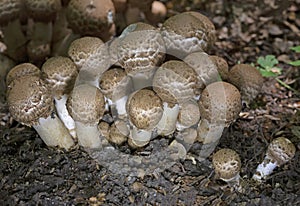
(149, 83)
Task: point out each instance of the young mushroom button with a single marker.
(86, 105)
(145, 110)
(227, 165)
(280, 151)
(21, 70)
(30, 103)
(247, 79)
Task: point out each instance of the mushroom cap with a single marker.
(86, 104)
(81, 49)
(141, 49)
(281, 150)
(175, 82)
(43, 11)
(145, 109)
(189, 113)
(187, 32)
(222, 66)
(227, 164)
(21, 70)
(118, 132)
(9, 11)
(220, 103)
(93, 18)
(157, 13)
(205, 68)
(114, 82)
(60, 73)
(29, 99)
(247, 79)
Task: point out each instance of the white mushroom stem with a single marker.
(209, 134)
(265, 168)
(88, 135)
(62, 112)
(140, 135)
(167, 123)
(53, 132)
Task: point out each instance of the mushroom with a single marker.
(42, 13)
(222, 66)
(30, 103)
(205, 68)
(247, 79)
(280, 151)
(60, 73)
(116, 86)
(118, 132)
(187, 32)
(220, 105)
(21, 70)
(93, 18)
(189, 115)
(91, 56)
(141, 50)
(13, 36)
(86, 106)
(145, 110)
(175, 83)
(227, 165)
(157, 13)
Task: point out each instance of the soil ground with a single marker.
(33, 174)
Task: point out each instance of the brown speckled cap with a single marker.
(189, 113)
(227, 164)
(186, 32)
(93, 18)
(29, 99)
(220, 103)
(86, 104)
(175, 82)
(44, 10)
(281, 150)
(21, 70)
(145, 109)
(247, 79)
(60, 73)
(9, 10)
(141, 49)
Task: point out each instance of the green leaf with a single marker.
(267, 62)
(296, 49)
(267, 73)
(295, 63)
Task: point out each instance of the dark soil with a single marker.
(33, 174)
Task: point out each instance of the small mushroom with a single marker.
(157, 13)
(227, 165)
(220, 105)
(280, 151)
(116, 86)
(86, 105)
(118, 132)
(186, 33)
(60, 73)
(30, 103)
(93, 18)
(145, 110)
(189, 115)
(13, 36)
(141, 50)
(42, 14)
(175, 83)
(91, 56)
(247, 79)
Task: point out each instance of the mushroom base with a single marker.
(88, 135)
(264, 169)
